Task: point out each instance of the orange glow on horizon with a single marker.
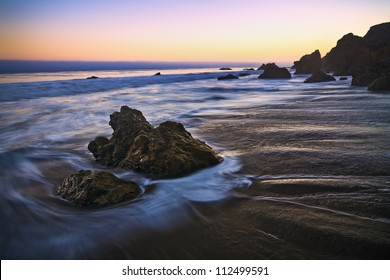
(193, 31)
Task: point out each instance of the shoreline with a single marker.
(315, 210)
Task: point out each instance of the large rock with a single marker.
(96, 188)
(319, 77)
(309, 63)
(350, 55)
(165, 151)
(354, 55)
(272, 71)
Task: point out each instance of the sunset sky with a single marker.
(180, 30)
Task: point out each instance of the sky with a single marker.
(180, 30)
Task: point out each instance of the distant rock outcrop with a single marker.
(263, 66)
(157, 74)
(272, 71)
(309, 63)
(319, 77)
(96, 188)
(365, 58)
(92, 77)
(227, 77)
(249, 69)
(225, 68)
(349, 55)
(165, 151)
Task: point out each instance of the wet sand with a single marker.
(320, 188)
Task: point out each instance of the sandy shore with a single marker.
(313, 174)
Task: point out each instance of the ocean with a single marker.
(321, 148)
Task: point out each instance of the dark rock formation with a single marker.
(249, 69)
(165, 151)
(308, 64)
(243, 74)
(227, 77)
(92, 77)
(272, 71)
(318, 77)
(96, 188)
(268, 65)
(350, 55)
(380, 84)
(157, 74)
(343, 78)
(354, 55)
(225, 68)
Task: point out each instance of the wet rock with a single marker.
(92, 77)
(225, 68)
(227, 77)
(243, 74)
(380, 84)
(343, 78)
(308, 64)
(272, 71)
(157, 74)
(96, 188)
(319, 77)
(165, 151)
(249, 69)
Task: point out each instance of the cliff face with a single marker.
(365, 58)
(354, 54)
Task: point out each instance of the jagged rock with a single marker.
(318, 77)
(96, 188)
(92, 77)
(354, 55)
(309, 63)
(165, 151)
(227, 77)
(225, 68)
(272, 71)
(350, 55)
(380, 84)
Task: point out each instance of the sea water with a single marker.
(48, 119)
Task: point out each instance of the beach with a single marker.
(305, 172)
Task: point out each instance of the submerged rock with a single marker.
(343, 78)
(309, 63)
(318, 77)
(272, 71)
(97, 188)
(227, 77)
(165, 151)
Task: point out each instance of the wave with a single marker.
(31, 90)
